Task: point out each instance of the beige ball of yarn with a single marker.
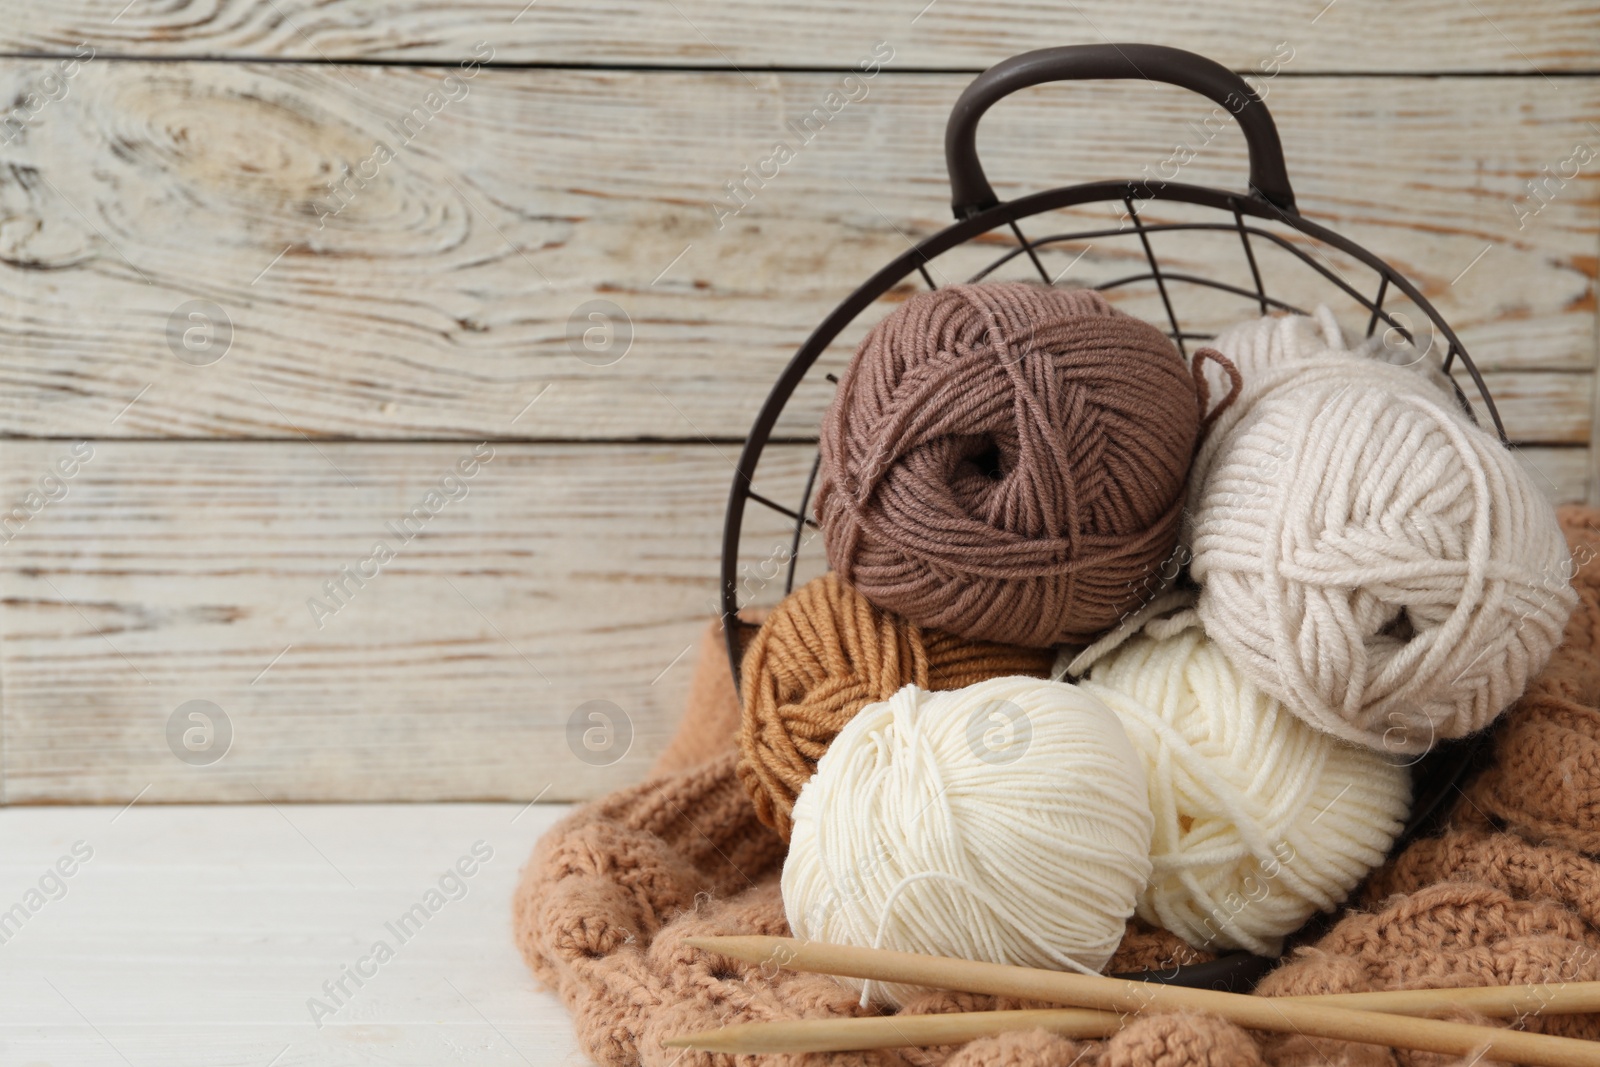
(1365, 553)
(1006, 821)
(1260, 819)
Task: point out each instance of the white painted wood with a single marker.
(1344, 35)
(173, 572)
(1563, 474)
(1546, 408)
(1591, 494)
(197, 936)
(437, 303)
(180, 571)
(435, 300)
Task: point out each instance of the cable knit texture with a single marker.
(1007, 461)
(1506, 894)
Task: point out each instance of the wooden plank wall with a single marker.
(390, 219)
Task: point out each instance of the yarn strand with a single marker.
(1034, 854)
(1365, 553)
(1007, 461)
(1260, 820)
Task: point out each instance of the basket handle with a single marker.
(971, 192)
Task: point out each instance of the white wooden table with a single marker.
(200, 935)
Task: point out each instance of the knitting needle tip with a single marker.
(725, 1040)
(751, 948)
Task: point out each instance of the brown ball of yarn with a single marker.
(824, 654)
(1007, 461)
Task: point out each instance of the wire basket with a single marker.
(765, 549)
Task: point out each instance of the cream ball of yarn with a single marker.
(1260, 820)
(1006, 822)
(1365, 553)
(1274, 348)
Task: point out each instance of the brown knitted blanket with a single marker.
(1508, 893)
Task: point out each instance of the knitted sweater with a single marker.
(1507, 893)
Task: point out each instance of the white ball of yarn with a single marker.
(1006, 822)
(1365, 553)
(1260, 820)
(1281, 351)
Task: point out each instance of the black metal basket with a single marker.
(1266, 213)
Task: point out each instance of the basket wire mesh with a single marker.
(1263, 221)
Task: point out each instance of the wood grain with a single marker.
(195, 937)
(1345, 35)
(1562, 474)
(171, 572)
(439, 299)
(437, 302)
(168, 572)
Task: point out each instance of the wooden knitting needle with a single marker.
(1278, 1014)
(946, 1028)
(895, 1031)
(1496, 1001)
